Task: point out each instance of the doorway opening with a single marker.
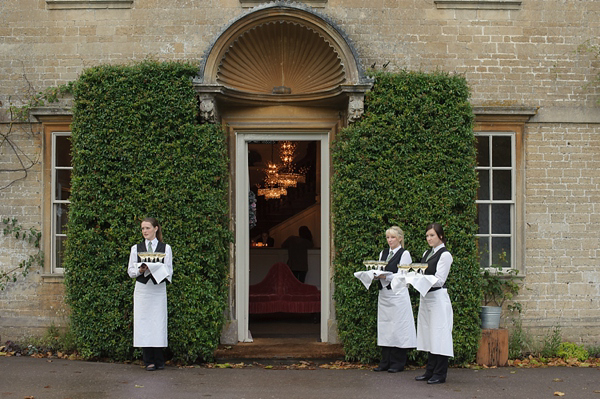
(270, 300)
(284, 233)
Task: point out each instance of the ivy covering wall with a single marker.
(137, 152)
(409, 161)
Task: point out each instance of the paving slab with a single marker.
(27, 377)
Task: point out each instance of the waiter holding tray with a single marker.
(434, 322)
(395, 322)
(151, 264)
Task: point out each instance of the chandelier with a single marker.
(279, 177)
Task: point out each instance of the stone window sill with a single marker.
(53, 278)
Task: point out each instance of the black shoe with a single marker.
(423, 377)
(150, 367)
(161, 367)
(380, 369)
(436, 381)
(394, 370)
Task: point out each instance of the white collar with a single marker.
(438, 247)
(393, 251)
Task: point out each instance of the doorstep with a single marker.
(280, 349)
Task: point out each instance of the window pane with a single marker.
(502, 185)
(501, 219)
(501, 151)
(483, 218)
(61, 217)
(483, 193)
(63, 184)
(63, 151)
(483, 150)
(60, 250)
(501, 254)
(483, 251)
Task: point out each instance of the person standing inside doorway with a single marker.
(435, 318)
(150, 295)
(298, 247)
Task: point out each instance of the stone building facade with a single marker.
(531, 66)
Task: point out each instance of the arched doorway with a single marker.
(280, 72)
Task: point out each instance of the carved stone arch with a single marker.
(282, 53)
(281, 58)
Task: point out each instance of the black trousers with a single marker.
(393, 357)
(153, 356)
(437, 366)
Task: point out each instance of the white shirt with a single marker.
(405, 259)
(133, 270)
(443, 266)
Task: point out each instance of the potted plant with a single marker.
(498, 286)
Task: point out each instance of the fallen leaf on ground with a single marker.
(559, 393)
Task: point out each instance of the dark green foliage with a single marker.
(137, 152)
(409, 161)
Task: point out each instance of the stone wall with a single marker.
(29, 305)
(527, 57)
(562, 283)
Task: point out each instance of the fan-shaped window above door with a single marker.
(281, 53)
(281, 58)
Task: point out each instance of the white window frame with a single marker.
(511, 120)
(56, 203)
(491, 201)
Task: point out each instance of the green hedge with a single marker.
(137, 152)
(409, 161)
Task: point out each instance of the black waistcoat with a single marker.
(392, 265)
(141, 247)
(432, 263)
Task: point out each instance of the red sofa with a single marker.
(280, 291)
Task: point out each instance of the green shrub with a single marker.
(409, 161)
(593, 350)
(570, 350)
(519, 341)
(137, 152)
(551, 342)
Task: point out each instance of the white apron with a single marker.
(434, 323)
(395, 322)
(150, 315)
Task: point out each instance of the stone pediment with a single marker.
(281, 53)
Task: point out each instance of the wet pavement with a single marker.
(27, 377)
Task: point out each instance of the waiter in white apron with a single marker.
(395, 321)
(435, 318)
(150, 296)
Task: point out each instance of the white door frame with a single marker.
(242, 233)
